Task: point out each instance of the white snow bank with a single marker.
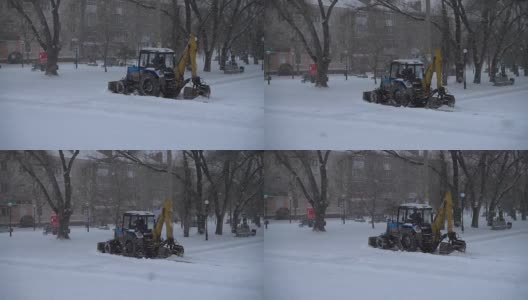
(34, 266)
(302, 264)
(75, 110)
(301, 116)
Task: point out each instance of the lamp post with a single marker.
(292, 62)
(465, 62)
(206, 202)
(10, 228)
(34, 216)
(87, 217)
(290, 207)
(462, 196)
(346, 67)
(266, 211)
(344, 207)
(263, 61)
(268, 77)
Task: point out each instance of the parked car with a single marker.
(4, 228)
(282, 213)
(26, 221)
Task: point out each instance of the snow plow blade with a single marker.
(116, 87)
(453, 244)
(199, 88)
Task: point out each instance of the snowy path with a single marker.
(77, 111)
(299, 115)
(221, 268)
(494, 266)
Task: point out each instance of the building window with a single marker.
(5, 212)
(102, 172)
(358, 164)
(4, 187)
(3, 166)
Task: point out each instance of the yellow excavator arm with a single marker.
(434, 67)
(164, 217)
(199, 87)
(445, 213)
(189, 54)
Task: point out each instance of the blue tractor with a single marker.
(409, 84)
(159, 74)
(417, 228)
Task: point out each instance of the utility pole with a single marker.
(426, 176)
(160, 28)
(428, 28)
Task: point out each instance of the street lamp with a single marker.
(34, 216)
(206, 215)
(346, 67)
(268, 77)
(262, 46)
(87, 217)
(10, 228)
(289, 210)
(462, 203)
(465, 62)
(344, 207)
(292, 61)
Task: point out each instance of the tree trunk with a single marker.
(320, 223)
(219, 224)
(223, 58)
(64, 225)
(105, 56)
(475, 219)
(234, 220)
(493, 69)
(457, 205)
(208, 59)
(491, 214)
(322, 73)
(478, 72)
(53, 58)
(186, 225)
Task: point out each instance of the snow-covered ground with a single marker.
(301, 116)
(338, 264)
(34, 266)
(75, 110)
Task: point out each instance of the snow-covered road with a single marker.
(309, 265)
(33, 266)
(76, 111)
(300, 116)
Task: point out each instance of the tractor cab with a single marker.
(407, 71)
(136, 221)
(156, 59)
(411, 215)
(415, 213)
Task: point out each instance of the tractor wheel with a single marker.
(108, 248)
(120, 87)
(374, 97)
(129, 249)
(408, 242)
(189, 93)
(401, 98)
(149, 85)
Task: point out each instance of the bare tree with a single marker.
(237, 20)
(248, 186)
(45, 172)
(305, 166)
(318, 47)
(47, 36)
